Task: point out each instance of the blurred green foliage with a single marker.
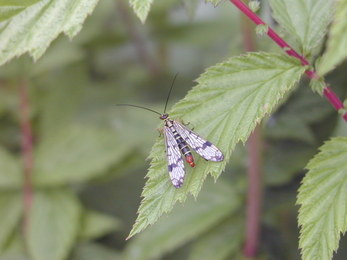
(90, 154)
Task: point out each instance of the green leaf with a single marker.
(318, 85)
(336, 46)
(10, 215)
(53, 225)
(262, 29)
(323, 197)
(141, 8)
(306, 20)
(30, 26)
(10, 170)
(231, 98)
(214, 2)
(93, 251)
(254, 5)
(96, 224)
(215, 203)
(220, 242)
(76, 153)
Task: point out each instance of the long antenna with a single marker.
(139, 107)
(168, 96)
(167, 100)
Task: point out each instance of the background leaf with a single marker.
(10, 214)
(53, 225)
(227, 103)
(96, 224)
(337, 41)
(92, 251)
(30, 26)
(306, 20)
(221, 242)
(216, 202)
(77, 153)
(322, 196)
(10, 170)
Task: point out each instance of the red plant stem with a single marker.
(254, 169)
(328, 93)
(254, 194)
(27, 152)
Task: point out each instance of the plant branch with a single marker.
(27, 152)
(328, 93)
(254, 169)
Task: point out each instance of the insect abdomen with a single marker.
(182, 145)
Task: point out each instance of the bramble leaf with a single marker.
(306, 20)
(323, 197)
(231, 98)
(30, 26)
(336, 46)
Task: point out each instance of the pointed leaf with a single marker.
(30, 26)
(96, 224)
(10, 170)
(141, 8)
(323, 199)
(215, 203)
(231, 98)
(306, 20)
(336, 46)
(53, 225)
(10, 214)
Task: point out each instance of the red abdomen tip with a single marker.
(190, 160)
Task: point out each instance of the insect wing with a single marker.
(174, 159)
(203, 147)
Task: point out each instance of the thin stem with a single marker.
(138, 40)
(254, 194)
(328, 93)
(27, 152)
(254, 169)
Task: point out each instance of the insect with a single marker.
(178, 140)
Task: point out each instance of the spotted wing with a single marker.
(203, 147)
(174, 159)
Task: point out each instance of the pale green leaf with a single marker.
(30, 26)
(306, 20)
(10, 214)
(336, 50)
(53, 224)
(215, 2)
(215, 203)
(323, 199)
(231, 98)
(76, 153)
(141, 8)
(10, 170)
(221, 242)
(254, 5)
(318, 85)
(96, 224)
